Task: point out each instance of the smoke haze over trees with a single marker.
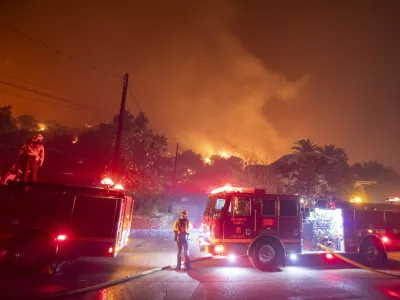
(84, 157)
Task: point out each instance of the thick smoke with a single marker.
(190, 72)
(211, 90)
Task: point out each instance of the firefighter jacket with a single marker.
(33, 149)
(181, 228)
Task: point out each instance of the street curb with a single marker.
(112, 283)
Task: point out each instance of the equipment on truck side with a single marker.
(11, 172)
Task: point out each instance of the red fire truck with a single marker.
(41, 224)
(269, 228)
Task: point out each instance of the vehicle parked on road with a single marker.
(42, 224)
(269, 228)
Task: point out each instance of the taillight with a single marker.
(219, 249)
(328, 256)
(61, 237)
(385, 239)
(110, 250)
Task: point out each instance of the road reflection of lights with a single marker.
(392, 293)
(102, 295)
(232, 257)
(232, 270)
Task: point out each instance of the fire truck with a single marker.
(45, 224)
(270, 228)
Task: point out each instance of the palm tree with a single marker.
(305, 146)
(334, 152)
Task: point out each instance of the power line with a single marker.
(35, 84)
(37, 100)
(134, 99)
(49, 96)
(60, 52)
(40, 93)
(141, 110)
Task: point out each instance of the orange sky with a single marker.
(220, 75)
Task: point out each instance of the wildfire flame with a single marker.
(222, 154)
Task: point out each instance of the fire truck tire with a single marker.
(265, 255)
(29, 253)
(372, 252)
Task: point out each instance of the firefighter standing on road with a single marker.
(32, 157)
(181, 229)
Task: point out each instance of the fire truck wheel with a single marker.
(265, 256)
(29, 253)
(372, 253)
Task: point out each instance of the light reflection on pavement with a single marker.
(147, 249)
(221, 279)
(212, 279)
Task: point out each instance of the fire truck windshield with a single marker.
(214, 207)
(219, 204)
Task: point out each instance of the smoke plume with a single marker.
(209, 91)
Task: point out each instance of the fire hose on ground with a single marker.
(108, 284)
(356, 263)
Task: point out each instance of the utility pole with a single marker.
(174, 176)
(116, 161)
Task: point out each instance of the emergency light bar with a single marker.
(393, 199)
(107, 181)
(228, 188)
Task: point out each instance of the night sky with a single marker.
(216, 75)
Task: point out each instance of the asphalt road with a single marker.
(210, 279)
(222, 279)
(146, 250)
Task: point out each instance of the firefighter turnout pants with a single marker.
(182, 244)
(30, 164)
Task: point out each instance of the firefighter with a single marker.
(181, 229)
(32, 157)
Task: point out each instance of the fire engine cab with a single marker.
(42, 224)
(269, 228)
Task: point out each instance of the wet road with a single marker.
(222, 279)
(210, 279)
(146, 250)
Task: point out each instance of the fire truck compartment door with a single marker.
(289, 219)
(95, 218)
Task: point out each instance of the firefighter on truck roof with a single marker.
(181, 229)
(32, 157)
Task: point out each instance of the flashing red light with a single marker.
(118, 186)
(61, 237)
(328, 256)
(219, 249)
(110, 250)
(226, 188)
(107, 181)
(385, 239)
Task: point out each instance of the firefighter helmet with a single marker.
(184, 212)
(38, 137)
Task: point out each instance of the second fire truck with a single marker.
(269, 228)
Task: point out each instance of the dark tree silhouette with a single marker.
(304, 146)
